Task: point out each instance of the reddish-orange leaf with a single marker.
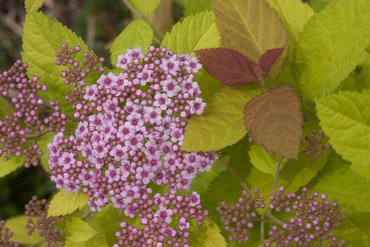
(267, 60)
(275, 121)
(229, 66)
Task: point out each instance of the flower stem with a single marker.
(262, 231)
(276, 176)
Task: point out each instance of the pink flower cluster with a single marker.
(131, 131)
(165, 221)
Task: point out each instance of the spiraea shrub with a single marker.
(246, 124)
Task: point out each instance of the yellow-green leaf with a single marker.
(251, 27)
(137, 34)
(343, 185)
(77, 230)
(42, 38)
(331, 45)
(345, 119)
(5, 107)
(33, 5)
(221, 124)
(146, 7)
(262, 160)
(193, 33)
(43, 144)
(209, 235)
(10, 165)
(294, 14)
(17, 226)
(65, 202)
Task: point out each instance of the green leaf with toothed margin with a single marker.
(42, 38)
(65, 202)
(195, 32)
(137, 34)
(331, 45)
(221, 124)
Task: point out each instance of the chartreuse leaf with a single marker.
(251, 27)
(208, 235)
(12, 164)
(194, 6)
(42, 38)
(221, 124)
(65, 202)
(137, 34)
(78, 231)
(262, 160)
(146, 7)
(354, 229)
(345, 119)
(275, 121)
(331, 45)
(108, 220)
(17, 226)
(193, 33)
(5, 107)
(33, 5)
(43, 144)
(294, 14)
(201, 182)
(295, 174)
(345, 186)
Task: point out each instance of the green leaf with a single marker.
(10, 165)
(146, 7)
(251, 27)
(294, 14)
(221, 124)
(261, 159)
(77, 230)
(43, 144)
(17, 226)
(137, 34)
(33, 5)
(193, 33)
(209, 235)
(331, 45)
(201, 182)
(42, 38)
(108, 220)
(345, 186)
(5, 107)
(65, 202)
(295, 174)
(194, 6)
(345, 119)
(354, 229)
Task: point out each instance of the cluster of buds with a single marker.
(310, 219)
(316, 145)
(46, 226)
(6, 235)
(76, 72)
(131, 131)
(165, 220)
(307, 220)
(31, 118)
(239, 218)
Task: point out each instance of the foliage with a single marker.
(274, 93)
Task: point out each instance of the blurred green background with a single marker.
(98, 22)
